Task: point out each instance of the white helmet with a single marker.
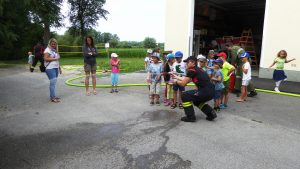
(201, 57)
(114, 55)
(149, 51)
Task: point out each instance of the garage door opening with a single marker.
(221, 22)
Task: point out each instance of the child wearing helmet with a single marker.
(210, 63)
(246, 69)
(154, 78)
(147, 60)
(168, 79)
(217, 79)
(115, 70)
(202, 62)
(180, 70)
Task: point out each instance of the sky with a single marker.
(131, 20)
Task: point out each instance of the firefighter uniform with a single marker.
(198, 97)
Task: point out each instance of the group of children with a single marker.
(219, 70)
(156, 70)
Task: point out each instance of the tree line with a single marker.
(106, 37)
(26, 22)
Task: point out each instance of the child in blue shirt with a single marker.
(180, 70)
(210, 63)
(217, 79)
(154, 78)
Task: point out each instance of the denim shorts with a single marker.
(217, 94)
(177, 87)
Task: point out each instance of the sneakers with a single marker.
(112, 90)
(151, 103)
(217, 109)
(157, 103)
(186, 119)
(223, 106)
(276, 89)
(252, 94)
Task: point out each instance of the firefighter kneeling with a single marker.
(204, 92)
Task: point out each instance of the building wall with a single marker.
(281, 31)
(179, 26)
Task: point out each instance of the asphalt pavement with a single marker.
(121, 130)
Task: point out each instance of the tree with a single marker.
(17, 32)
(149, 42)
(114, 41)
(47, 13)
(106, 37)
(85, 13)
(96, 35)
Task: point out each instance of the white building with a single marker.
(191, 25)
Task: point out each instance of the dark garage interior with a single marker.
(220, 22)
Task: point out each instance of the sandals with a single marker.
(168, 103)
(240, 100)
(89, 93)
(180, 106)
(173, 106)
(55, 100)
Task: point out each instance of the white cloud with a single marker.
(132, 19)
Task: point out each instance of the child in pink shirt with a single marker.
(115, 70)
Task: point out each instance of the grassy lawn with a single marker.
(127, 64)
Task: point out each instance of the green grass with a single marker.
(127, 64)
(122, 52)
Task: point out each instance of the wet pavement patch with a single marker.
(35, 150)
(139, 143)
(161, 115)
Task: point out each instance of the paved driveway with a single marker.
(123, 131)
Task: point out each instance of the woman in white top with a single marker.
(51, 58)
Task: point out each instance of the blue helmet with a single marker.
(155, 54)
(245, 54)
(218, 61)
(178, 54)
(170, 56)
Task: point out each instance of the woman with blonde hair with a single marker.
(51, 59)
